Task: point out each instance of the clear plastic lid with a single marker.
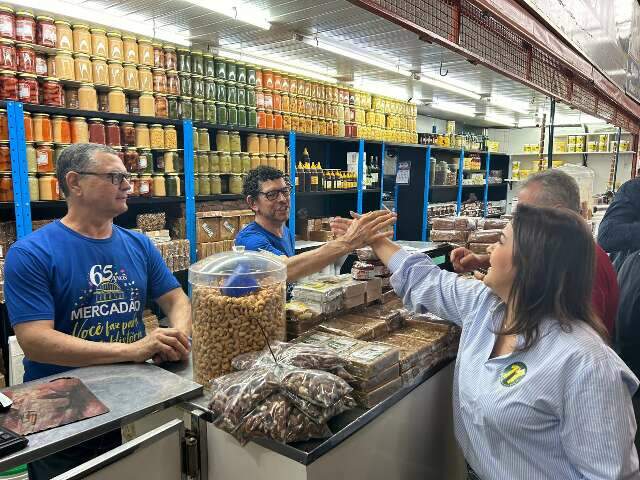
(237, 269)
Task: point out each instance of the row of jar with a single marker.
(238, 162)
(216, 184)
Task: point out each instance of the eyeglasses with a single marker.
(274, 194)
(116, 177)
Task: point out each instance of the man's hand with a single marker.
(339, 226)
(368, 228)
(464, 260)
(163, 344)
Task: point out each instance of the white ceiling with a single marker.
(342, 24)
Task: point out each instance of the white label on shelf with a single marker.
(24, 91)
(24, 29)
(42, 158)
(144, 187)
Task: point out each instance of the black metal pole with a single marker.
(551, 131)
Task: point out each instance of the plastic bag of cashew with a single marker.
(284, 403)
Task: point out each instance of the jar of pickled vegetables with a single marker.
(235, 183)
(214, 161)
(223, 141)
(216, 184)
(203, 140)
(225, 162)
(143, 137)
(203, 162)
(157, 137)
(236, 162)
(204, 184)
(246, 162)
(170, 137)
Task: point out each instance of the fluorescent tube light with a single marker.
(454, 108)
(241, 11)
(509, 104)
(103, 17)
(289, 66)
(434, 82)
(384, 89)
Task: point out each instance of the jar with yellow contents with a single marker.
(216, 184)
(225, 162)
(214, 161)
(170, 137)
(157, 137)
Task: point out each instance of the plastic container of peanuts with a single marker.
(238, 301)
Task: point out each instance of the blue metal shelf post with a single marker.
(381, 175)
(360, 173)
(189, 187)
(486, 186)
(460, 177)
(292, 181)
(396, 191)
(19, 168)
(425, 199)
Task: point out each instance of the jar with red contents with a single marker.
(7, 23)
(258, 77)
(97, 132)
(8, 85)
(4, 125)
(278, 121)
(26, 58)
(113, 133)
(25, 27)
(276, 101)
(7, 54)
(5, 156)
(277, 81)
(285, 83)
(42, 65)
(46, 32)
(267, 79)
(131, 160)
(268, 99)
(268, 119)
(28, 88)
(160, 81)
(262, 118)
(161, 105)
(52, 92)
(128, 134)
(158, 55)
(173, 82)
(44, 158)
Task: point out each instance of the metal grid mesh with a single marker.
(486, 37)
(606, 109)
(584, 98)
(437, 16)
(548, 74)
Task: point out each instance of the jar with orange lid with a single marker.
(65, 66)
(147, 104)
(25, 27)
(130, 49)
(83, 69)
(159, 82)
(87, 97)
(81, 39)
(99, 70)
(143, 137)
(44, 157)
(145, 52)
(158, 55)
(116, 74)
(115, 46)
(117, 100)
(278, 120)
(7, 22)
(131, 79)
(145, 78)
(5, 156)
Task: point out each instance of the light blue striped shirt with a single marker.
(559, 411)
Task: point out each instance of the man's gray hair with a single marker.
(556, 188)
(79, 157)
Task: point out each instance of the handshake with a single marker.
(362, 230)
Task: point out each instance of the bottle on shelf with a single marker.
(368, 183)
(300, 178)
(375, 173)
(320, 174)
(306, 161)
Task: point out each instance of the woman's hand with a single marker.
(365, 229)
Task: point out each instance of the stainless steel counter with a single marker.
(130, 391)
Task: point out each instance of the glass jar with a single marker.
(261, 118)
(278, 121)
(79, 130)
(225, 162)
(210, 113)
(276, 99)
(246, 162)
(134, 190)
(159, 186)
(197, 62)
(280, 162)
(221, 68)
(268, 122)
(232, 93)
(281, 145)
(216, 184)
(131, 79)
(145, 160)
(116, 74)
(44, 157)
(172, 83)
(115, 46)
(186, 87)
(99, 71)
(81, 39)
(223, 141)
(59, 148)
(131, 160)
(99, 42)
(160, 81)
(52, 92)
(242, 116)
(251, 75)
(161, 105)
(34, 189)
(271, 144)
(4, 125)
(170, 58)
(172, 185)
(156, 133)
(186, 108)
(221, 91)
(48, 187)
(143, 137)
(130, 49)
(260, 97)
(235, 144)
(25, 58)
(236, 162)
(198, 110)
(254, 159)
(61, 129)
(7, 23)
(32, 165)
(8, 59)
(172, 107)
(252, 117)
(232, 112)
(25, 27)
(203, 140)
(97, 132)
(184, 60)
(263, 143)
(263, 160)
(271, 160)
(87, 97)
(235, 184)
(197, 86)
(158, 55)
(147, 105)
(82, 68)
(146, 185)
(132, 105)
(145, 52)
(28, 90)
(166, 162)
(28, 127)
(117, 100)
(285, 83)
(170, 137)
(6, 187)
(222, 113)
(267, 79)
(214, 161)
(145, 78)
(127, 134)
(5, 156)
(277, 81)
(203, 162)
(112, 133)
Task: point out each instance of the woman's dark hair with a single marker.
(554, 257)
(255, 177)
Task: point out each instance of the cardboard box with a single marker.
(229, 225)
(374, 290)
(207, 228)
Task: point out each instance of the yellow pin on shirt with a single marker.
(513, 374)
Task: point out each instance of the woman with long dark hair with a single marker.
(537, 394)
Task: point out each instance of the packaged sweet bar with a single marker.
(382, 378)
(355, 326)
(454, 223)
(485, 236)
(362, 271)
(479, 248)
(372, 398)
(319, 291)
(458, 236)
(412, 350)
(495, 223)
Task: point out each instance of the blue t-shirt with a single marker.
(255, 237)
(92, 289)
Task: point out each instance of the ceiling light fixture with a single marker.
(289, 66)
(509, 104)
(243, 12)
(103, 17)
(455, 108)
(500, 120)
(384, 89)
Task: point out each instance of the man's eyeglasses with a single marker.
(274, 194)
(116, 177)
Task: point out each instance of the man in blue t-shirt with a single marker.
(267, 193)
(76, 288)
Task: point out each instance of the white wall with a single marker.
(425, 124)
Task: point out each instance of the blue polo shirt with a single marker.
(255, 237)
